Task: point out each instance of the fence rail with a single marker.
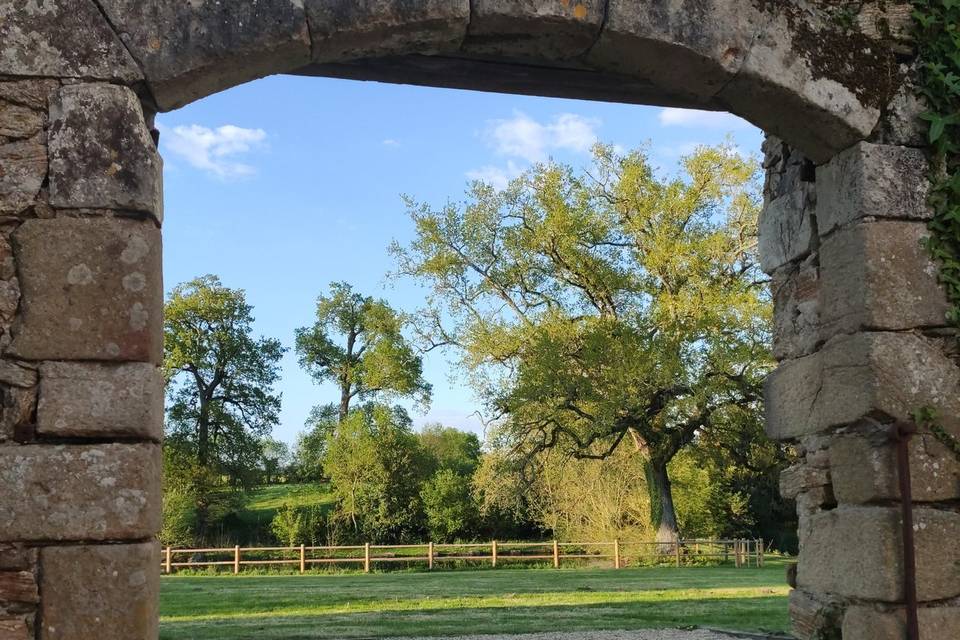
(740, 552)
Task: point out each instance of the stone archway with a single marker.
(859, 328)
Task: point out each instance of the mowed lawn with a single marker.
(380, 605)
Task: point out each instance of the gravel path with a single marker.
(651, 634)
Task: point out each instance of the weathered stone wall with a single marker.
(861, 336)
(859, 328)
(80, 327)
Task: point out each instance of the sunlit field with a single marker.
(380, 605)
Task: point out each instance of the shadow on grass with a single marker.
(767, 613)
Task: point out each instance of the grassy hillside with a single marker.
(264, 502)
(490, 601)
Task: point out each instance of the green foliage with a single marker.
(938, 40)
(357, 343)
(377, 465)
(219, 378)
(296, 525)
(590, 306)
(448, 505)
(451, 448)
(197, 508)
(310, 454)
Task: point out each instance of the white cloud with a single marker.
(214, 150)
(523, 137)
(390, 142)
(673, 117)
(497, 177)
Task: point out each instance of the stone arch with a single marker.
(859, 327)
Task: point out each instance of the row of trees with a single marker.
(614, 323)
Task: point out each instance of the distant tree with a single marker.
(219, 386)
(357, 343)
(451, 448)
(310, 453)
(275, 460)
(377, 466)
(603, 307)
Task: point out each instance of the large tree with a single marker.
(220, 381)
(377, 466)
(357, 343)
(606, 307)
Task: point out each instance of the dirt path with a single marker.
(651, 634)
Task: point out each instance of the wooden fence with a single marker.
(739, 552)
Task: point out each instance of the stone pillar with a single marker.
(81, 395)
(861, 338)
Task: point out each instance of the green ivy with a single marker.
(938, 44)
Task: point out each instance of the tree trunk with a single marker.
(203, 434)
(663, 515)
(344, 401)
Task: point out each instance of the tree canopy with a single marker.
(597, 307)
(357, 343)
(220, 378)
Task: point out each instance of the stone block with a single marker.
(879, 276)
(788, 88)
(532, 29)
(63, 39)
(18, 586)
(813, 618)
(101, 152)
(901, 123)
(17, 375)
(100, 400)
(17, 557)
(856, 552)
(108, 592)
(864, 469)
(375, 28)
(787, 230)
(863, 622)
(79, 492)
(90, 290)
(884, 375)
(18, 122)
(24, 165)
(687, 50)
(14, 629)
(801, 477)
(16, 410)
(189, 50)
(872, 180)
(796, 309)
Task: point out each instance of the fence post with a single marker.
(430, 556)
(616, 554)
(236, 560)
(493, 552)
(168, 563)
(556, 555)
(760, 551)
(736, 553)
(366, 557)
(303, 558)
(676, 552)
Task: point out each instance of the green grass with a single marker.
(264, 502)
(381, 605)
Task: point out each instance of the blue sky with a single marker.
(285, 184)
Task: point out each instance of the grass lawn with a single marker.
(481, 601)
